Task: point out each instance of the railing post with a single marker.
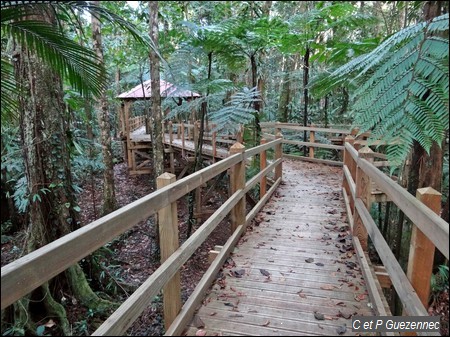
(278, 155)
(182, 139)
(262, 166)
(312, 139)
(350, 163)
(170, 132)
(421, 251)
(364, 192)
(214, 148)
(195, 135)
(168, 238)
(237, 182)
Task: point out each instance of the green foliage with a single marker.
(439, 281)
(73, 62)
(237, 111)
(403, 88)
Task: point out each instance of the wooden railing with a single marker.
(337, 135)
(429, 230)
(136, 122)
(186, 131)
(29, 272)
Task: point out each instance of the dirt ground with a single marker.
(134, 252)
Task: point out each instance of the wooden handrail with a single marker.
(29, 272)
(312, 144)
(434, 228)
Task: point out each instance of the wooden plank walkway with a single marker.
(140, 136)
(293, 272)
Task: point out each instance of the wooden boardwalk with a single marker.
(139, 136)
(294, 272)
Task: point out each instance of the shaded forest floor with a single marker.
(133, 259)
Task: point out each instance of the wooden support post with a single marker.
(195, 135)
(168, 238)
(182, 139)
(170, 133)
(214, 148)
(198, 204)
(421, 251)
(312, 139)
(237, 182)
(127, 106)
(278, 155)
(350, 163)
(262, 166)
(364, 192)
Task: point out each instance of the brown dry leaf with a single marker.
(341, 329)
(266, 323)
(330, 318)
(327, 287)
(301, 294)
(198, 323)
(200, 332)
(264, 272)
(341, 304)
(345, 315)
(213, 313)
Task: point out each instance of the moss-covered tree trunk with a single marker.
(46, 143)
(109, 194)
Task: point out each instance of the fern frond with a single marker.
(403, 88)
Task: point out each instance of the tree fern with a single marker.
(403, 85)
(237, 111)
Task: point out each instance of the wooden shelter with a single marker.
(137, 124)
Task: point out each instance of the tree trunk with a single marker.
(285, 94)
(305, 95)
(257, 103)
(156, 114)
(46, 144)
(109, 194)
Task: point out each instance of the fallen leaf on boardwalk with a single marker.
(200, 333)
(265, 272)
(238, 273)
(327, 287)
(266, 323)
(301, 294)
(320, 264)
(319, 316)
(345, 315)
(330, 318)
(341, 304)
(212, 313)
(309, 260)
(341, 329)
(198, 323)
